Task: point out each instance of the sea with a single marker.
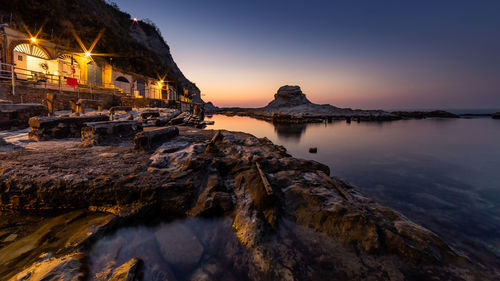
(442, 173)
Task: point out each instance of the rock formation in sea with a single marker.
(288, 96)
(290, 105)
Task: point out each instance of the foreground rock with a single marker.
(290, 219)
(49, 248)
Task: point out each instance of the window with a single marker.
(20, 58)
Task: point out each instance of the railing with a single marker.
(19, 76)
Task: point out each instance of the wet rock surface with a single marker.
(288, 218)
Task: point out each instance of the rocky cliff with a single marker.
(137, 47)
(152, 39)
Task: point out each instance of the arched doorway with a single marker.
(31, 60)
(122, 83)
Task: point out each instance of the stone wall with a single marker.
(26, 94)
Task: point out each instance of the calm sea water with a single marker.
(442, 173)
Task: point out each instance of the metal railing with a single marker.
(17, 76)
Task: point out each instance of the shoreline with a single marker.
(213, 174)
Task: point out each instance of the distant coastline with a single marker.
(290, 105)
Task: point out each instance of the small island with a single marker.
(290, 105)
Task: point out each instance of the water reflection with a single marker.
(291, 132)
(441, 173)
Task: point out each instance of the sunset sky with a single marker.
(359, 54)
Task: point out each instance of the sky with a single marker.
(358, 54)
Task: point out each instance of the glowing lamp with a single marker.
(135, 19)
(56, 73)
(87, 54)
(33, 39)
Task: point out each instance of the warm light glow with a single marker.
(135, 19)
(56, 73)
(87, 54)
(33, 39)
(162, 81)
(159, 84)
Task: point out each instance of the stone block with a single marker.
(16, 116)
(46, 128)
(109, 132)
(148, 140)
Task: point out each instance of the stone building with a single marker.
(48, 65)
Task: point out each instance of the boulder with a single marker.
(289, 96)
(179, 246)
(109, 132)
(148, 140)
(45, 128)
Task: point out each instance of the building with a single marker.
(44, 64)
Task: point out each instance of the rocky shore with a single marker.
(288, 219)
(290, 105)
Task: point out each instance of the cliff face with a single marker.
(151, 39)
(137, 47)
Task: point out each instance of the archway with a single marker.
(122, 83)
(31, 60)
